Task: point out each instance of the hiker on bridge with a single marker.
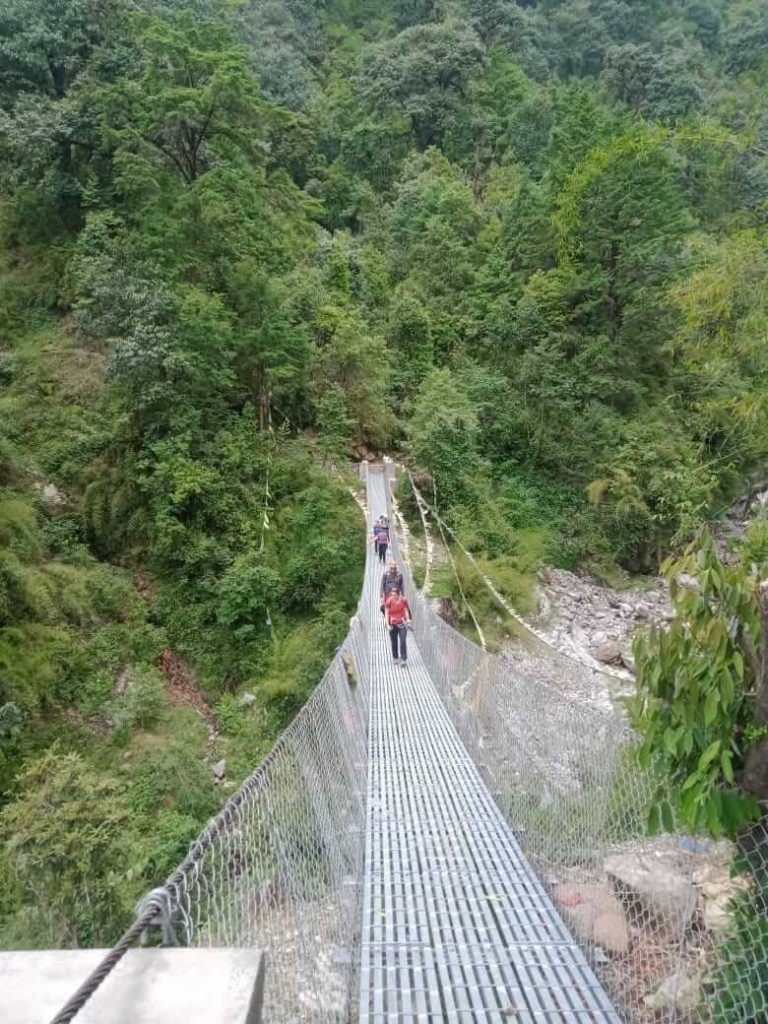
(381, 538)
(392, 578)
(397, 617)
(377, 528)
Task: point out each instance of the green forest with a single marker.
(519, 245)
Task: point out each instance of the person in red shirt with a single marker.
(397, 616)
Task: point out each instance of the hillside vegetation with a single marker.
(522, 243)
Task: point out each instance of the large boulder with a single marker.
(594, 915)
(653, 886)
(52, 495)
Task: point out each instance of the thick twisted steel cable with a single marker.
(76, 1002)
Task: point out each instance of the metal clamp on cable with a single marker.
(160, 900)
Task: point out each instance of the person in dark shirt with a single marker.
(391, 578)
(382, 542)
(378, 526)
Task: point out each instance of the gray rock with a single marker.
(219, 770)
(687, 581)
(52, 496)
(609, 653)
(246, 699)
(680, 993)
(718, 890)
(611, 932)
(122, 681)
(653, 884)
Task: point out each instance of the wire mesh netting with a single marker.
(280, 868)
(675, 926)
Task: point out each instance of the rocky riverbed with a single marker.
(580, 615)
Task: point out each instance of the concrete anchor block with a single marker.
(196, 986)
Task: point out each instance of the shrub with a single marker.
(172, 776)
(230, 715)
(144, 698)
(246, 591)
(68, 839)
(95, 693)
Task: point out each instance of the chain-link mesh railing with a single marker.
(279, 868)
(675, 926)
(282, 872)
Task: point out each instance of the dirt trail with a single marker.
(183, 692)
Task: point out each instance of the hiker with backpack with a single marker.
(377, 528)
(397, 618)
(391, 578)
(381, 538)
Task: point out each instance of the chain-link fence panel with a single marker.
(279, 869)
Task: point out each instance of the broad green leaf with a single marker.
(714, 822)
(727, 765)
(670, 742)
(691, 781)
(710, 707)
(726, 688)
(709, 755)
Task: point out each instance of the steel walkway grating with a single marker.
(456, 925)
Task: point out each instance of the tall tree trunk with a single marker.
(264, 411)
(613, 307)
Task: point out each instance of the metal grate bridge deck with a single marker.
(456, 925)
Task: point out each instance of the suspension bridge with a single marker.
(456, 926)
(399, 853)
